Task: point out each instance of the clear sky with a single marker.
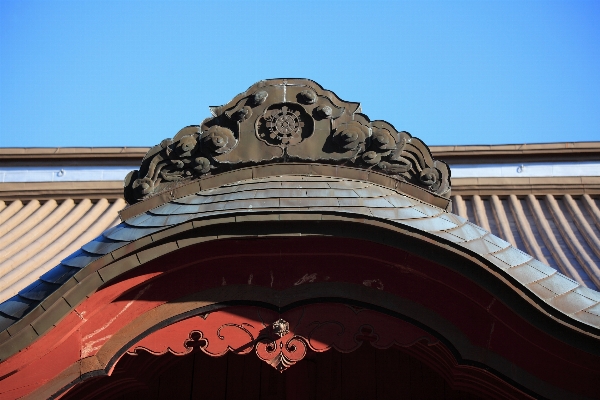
(131, 73)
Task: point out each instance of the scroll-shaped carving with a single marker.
(286, 120)
(218, 140)
(170, 161)
(282, 340)
(351, 136)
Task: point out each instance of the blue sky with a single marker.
(131, 73)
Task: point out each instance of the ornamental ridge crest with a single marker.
(286, 121)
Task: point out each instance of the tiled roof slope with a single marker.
(35, 236)
(562, 232)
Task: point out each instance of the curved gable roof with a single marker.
(313, 197)
(346, 168)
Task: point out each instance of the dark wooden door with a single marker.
(366, 373)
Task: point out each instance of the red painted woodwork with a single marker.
(282, 264)
(317, 327)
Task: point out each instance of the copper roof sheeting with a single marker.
(35, 236)
(530, 223)
(561, 231)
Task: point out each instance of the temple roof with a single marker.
(559, 230)
(285, 148)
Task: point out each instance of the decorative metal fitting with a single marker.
(325, 111)
(308, 96)
(281, 327)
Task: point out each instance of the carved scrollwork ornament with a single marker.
(316, 328)
(165, 143)
(242, 114)
(195, 341)
(429, 176)
(325, 111)
(282, 353)
(143, 186)
(259, 97)
(218, 140)
(383, 141)
(351, 136)
(308, 96)
(371, 157)
(185, 147)
(287, 120)
(202, 165)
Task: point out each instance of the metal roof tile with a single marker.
(430, 211)
(429, 224)
(38, 290)
(540, 266)
(558, 283)
(168, 209)
(397, 213)
(502, 244)
(526, 273)
(467, 231)
(126, 233)
(400, 201)
(102, 245)
(589, 293)
(59, 274)
(252, 204)
(571, 302)
(285, 192)
(588, 318)
(239, 195)
(307, 202)
(480, 246)
(595, 309)
(304, 184)
(346, 183)
(450, 237)
(151, 221)
(496, 261)
(346, 192)
(17, 306)
(541, 291)
(201, 198)
(373, 191)
(365, 202)
(512, 256)
(79, 259)
(177, 219)
(5, 322)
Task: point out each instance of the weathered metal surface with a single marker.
(280, 121)
(289, 194)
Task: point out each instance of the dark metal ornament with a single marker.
(282, 120)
